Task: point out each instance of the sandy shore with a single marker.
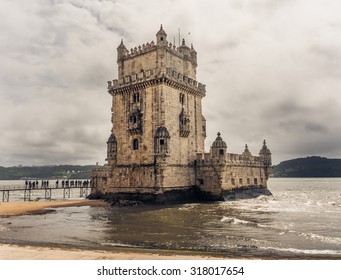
(14, 252)
(20, 208)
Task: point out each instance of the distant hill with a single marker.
(308, 167)
(46, 172)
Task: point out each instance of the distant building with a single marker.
(156, 147)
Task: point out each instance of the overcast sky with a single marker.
(272, 70)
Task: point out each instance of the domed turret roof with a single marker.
(162, 132)
(161, 32)
(192, 49)
(112, 138)
(264, 150)
(122, 46)
(218, 142)
(184, 47)
(246, 152)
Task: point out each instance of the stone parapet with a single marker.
(149, 47)
(231, 160)
(150, 77)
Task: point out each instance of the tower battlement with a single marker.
(182, 51)
(151, 46)
(153, 75)
(156, 57)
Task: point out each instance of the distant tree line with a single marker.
(313, 166)
(46, 172)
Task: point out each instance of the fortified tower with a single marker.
(155, 150)
(157, 122)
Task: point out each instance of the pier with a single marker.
(45, 190)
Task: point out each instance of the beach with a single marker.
(21, 208)
(15, 252)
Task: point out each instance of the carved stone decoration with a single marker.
(184, 124)
(135, 122)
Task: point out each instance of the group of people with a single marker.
(74, 183)
(34, 184)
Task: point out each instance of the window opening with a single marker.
(135, 144)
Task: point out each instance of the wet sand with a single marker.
(21, 208)
(15, 252)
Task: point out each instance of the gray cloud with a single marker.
(272, 70)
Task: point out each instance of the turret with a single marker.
(265, 154)
(161, 37)
(111, 149)
(121, 51)
(193, 55)
(218, 148)
(184, 49)
(246, 154)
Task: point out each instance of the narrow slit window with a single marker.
(135, 144)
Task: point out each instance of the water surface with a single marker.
(301, 219)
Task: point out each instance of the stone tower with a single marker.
(155, 151)
(157, 122)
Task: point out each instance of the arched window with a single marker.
(161, 141)
(136, 97)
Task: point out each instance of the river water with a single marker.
(301, 220)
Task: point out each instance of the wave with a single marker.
(2, 228)
(120, 245)
(324, 239)
(188, 207)
(304, 251)
(283, 230)
(236, 221)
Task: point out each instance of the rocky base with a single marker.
(178, 196)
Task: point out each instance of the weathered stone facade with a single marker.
(156, 144)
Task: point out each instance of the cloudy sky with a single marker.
(272, 70)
